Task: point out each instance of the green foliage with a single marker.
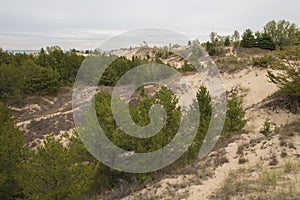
(11, 83)
(43, 74)
(11, 142)
(140, 115)
(282, 33)
(266, 129)
(42, 81)
(213, 47)
(139, 111)
(275, 34)
(55, 172)
(66, 64)
(231, 63)
(264, 41)
(234, 116)
(27, 79)
(210, 49)
(4, 57)
(118, 68)
(227, 41)
(263, 61)
(248, 39)
(187, 68)
(205, 110)
(288, 80)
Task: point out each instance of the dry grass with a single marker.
(262, 183)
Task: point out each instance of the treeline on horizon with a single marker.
(275, 35)
(44, 73)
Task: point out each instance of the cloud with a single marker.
(81, 24)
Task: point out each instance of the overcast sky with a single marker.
(32, 24)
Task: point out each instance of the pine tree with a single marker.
(288, 80)
(55, 171)
(264, 41)
(11, 143)
(248, 39)
(234, 116)
(227, 41)
(205, 110)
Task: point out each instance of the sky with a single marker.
(33, 24)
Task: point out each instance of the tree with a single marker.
(236, 36)
(212, 46)
(11, 83)
(5, 57)
(213, 38)
(11, 143)
(248, 39)
(235, 114)
(187, 67)
(42, 58)
(212, 50)
(282, 33)
(70, 64)
(39, 80)
(227, 41)
(55, 171)
(288, 79)
(264, 41)
(205, 110)
(117, 69)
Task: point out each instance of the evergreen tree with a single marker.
(40, 80)
(205, 110)
(288, 79)
(234, 116)
(11, 143)
(264, 41)
(42, 58)
(55, 172)
(227, 41)
(248, 39)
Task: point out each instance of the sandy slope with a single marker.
(202, 179)
(253, 86)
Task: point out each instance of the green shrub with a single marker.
(266, 129)
(263, 61)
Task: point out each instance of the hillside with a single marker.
(237, 166)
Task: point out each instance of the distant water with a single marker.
(23, 51)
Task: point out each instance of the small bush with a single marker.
(263, 61)
(266, 129)
(290, 167)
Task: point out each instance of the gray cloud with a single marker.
(84, 24)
